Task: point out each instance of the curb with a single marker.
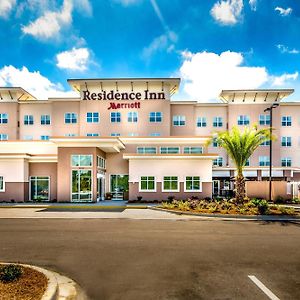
(59, 286)
(230, 217)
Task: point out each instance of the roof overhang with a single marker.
(254, 96)
(16, 93)
(176, 140)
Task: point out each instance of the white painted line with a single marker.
(263, 288)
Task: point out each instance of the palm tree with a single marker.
(240, 145)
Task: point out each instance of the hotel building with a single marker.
(124, 138)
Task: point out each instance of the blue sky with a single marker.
(210, 44)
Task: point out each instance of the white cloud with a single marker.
(285, 49)
(33, 82)
(75, 59)
(5, 7)
(253, 4)
(284, 79)
(227, 12)
(284, 12)
(127, 2)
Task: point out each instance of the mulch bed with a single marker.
(30, 286)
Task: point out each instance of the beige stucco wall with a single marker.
(260, 189)
(14, 170)
(11, 128)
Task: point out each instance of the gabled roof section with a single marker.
(15, 94)
(254, 96)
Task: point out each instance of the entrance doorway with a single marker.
(81, 185)
(119, 186)
(216, 187)
(39, 188)
(100, 186)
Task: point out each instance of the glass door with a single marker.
(100, 187)
(81, 185)
(39, 188)
(216, 187)
(119, 186)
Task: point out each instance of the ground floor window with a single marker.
(192, 184)
(119, 186)
(2, 184)
(170, 184)
(39, 188)
(82, 185)
(147, 184)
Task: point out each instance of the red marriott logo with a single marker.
(114, 105)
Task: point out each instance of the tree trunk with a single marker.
(240, 188)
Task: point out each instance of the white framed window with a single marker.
(92, 134)
(147, 184)
(265, 143)
(92, 117)
(218, 122)
(39, 188)
(178, 120)
(70, 118)
(3, 137)
(132, 117)
(201, 122)
(115, 117)
(192, 184)
(286, 162)
(218, 162)
(286, 121)
(193, 150)
(101, 162)
(143, 150)
(155, 117)
(247, 163)
(169, 150)
(264, 161)
(2, 184)
(215, 143)
(154, 134)
(45, 120)
(286, 141)
(170, 184)
(115, 134)
(243, 120)
(133, 134)
(81, 160)
(44, 137)
(28, 120)
(3, 118)
(28, 137)
(264, 120)
(70, 134)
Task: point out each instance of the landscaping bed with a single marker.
(249, 207)
(21, 283)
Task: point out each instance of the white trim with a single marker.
(167, 191)
(193, 191)
(147, 191)
(170, 156)
(3, 190)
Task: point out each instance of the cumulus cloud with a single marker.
(285, 49)
(75, 59)
(5, 7)
(284, 11)
(33, 82)
(227, 12)
(205, 74)
(253, 4)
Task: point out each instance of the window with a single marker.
(82, 160)
(2, 184)
(264, 120)
(3, 118)
(155, 134)
(92, 117)
(115, 117)
(286, 162)
(286, 141)
(215, 143)
(169, 150)
(28, 120)
(132, 117)
(243, 120)
(133, 134)
(193, 150)
(115, 134)
(218, 122)
(28, 137)
(45, 120)
(192, 184)
(81, 185)
(92, 134)
(265, 143)
(70, 118)
(147, 184)
(178, 120)
(155, 117)
(247, 164)
(201, 122)
(143, 150)
(101, 162)
(170, 184)
(218, 162)
(39, 188)
(70, 134)
(264, 161)
(44, 137)
(286, 121)
(3, 137)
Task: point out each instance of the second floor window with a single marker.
(155, 117)
(178, 120)
(115, 117)
(286, 141)
(92, 134)
(265, 143)
(218, 162)
(264, 161)
(286, 121)
(28, 120)
(45, 120)
(70, 118)
(264, 120)
(44, 137)
(286, 162)
(132, 117)
(218, 122)
(243, 120)
(3, 118)
(3, 137)
(201, 122)
(193, 150)
(169, 150)
(144, 150)
(115, 134)
(92, 117)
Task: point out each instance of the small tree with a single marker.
(240, 145)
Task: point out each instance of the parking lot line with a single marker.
(263, 288)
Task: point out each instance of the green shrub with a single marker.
(183, 205)
(296, 201)
(10, 273)
(286, 210)
(262, 206)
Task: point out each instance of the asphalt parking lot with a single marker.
(161, 259)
